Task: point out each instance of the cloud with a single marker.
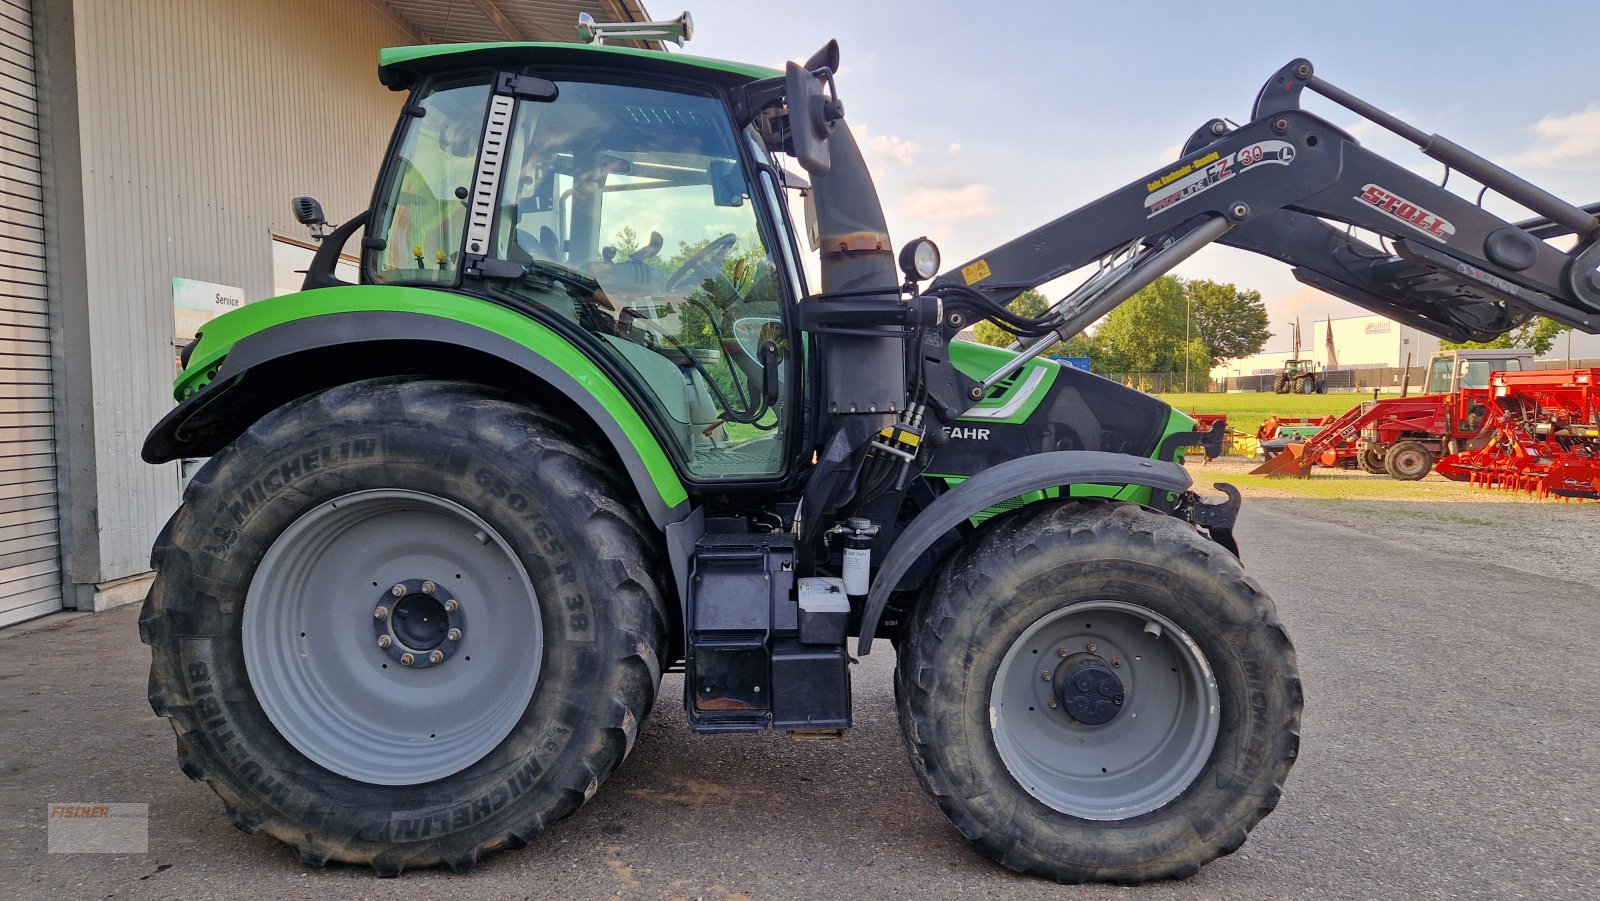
(890, 148)
(955, 149)
(951, 204)
(1565, 142)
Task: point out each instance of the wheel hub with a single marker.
(418, 623)
(1088, 689)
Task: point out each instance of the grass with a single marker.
(1361, 489)
(1246, 411)
(1328, 485)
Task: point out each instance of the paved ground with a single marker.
(1451, 749)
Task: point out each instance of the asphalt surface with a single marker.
(1451, 749)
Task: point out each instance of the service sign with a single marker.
(195, 303)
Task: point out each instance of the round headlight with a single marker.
(919, 259)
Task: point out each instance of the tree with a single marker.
(1030, 304)
(1145, 333)
(1174, 320)
(1033, 304)
(1537, 334)
(1232, 323)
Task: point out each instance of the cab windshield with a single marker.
(631, 215)
(1470, 374)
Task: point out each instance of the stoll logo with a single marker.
(1400, 208)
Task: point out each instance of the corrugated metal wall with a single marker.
(30, 557)
(199, 120)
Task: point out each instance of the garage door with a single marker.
(30, 556)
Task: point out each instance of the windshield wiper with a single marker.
(491, 269)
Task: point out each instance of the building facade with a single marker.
(148, 152)
(1359, 342)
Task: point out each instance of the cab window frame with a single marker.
(777, 238)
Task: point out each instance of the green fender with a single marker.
(218, 400)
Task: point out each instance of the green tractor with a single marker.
(584, 421)
(1299, 377)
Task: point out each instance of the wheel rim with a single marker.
(1154, 746)
(1407, 462)
(315, 649)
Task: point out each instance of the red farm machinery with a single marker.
(1406, 436)
(1543, 435)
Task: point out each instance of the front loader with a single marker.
(583, 421)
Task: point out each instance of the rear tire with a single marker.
(306, 722)
(1190, 640)
(1408, 461)
(1280, 384)
(1372, 461)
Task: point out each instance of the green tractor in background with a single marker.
(1299, 377)
(584, 421)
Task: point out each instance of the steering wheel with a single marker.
(702, 264)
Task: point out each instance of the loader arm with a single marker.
(1292, 186)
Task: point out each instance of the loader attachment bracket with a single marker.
(1209, 441)
(1216, 517)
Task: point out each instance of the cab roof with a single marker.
(400, 67)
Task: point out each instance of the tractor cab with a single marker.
(1450, 371)
(623, 208)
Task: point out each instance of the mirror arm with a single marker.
(324, 265)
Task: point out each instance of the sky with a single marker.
(982, 121)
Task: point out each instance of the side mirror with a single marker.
(811, 118)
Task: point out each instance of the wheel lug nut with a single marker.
(452, 605)
(1061, 652)
(384, 641)
(1116, 661)
(1047, 676)
(381, 613)
(407, 660)
(453, 635)
(398, 590)
(1092, 647)
(1054, 704)
(429, 588)
(435, 656)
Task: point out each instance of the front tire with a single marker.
(1408, 461)
(1372, 461)
(403, 624)
(1152, 753)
